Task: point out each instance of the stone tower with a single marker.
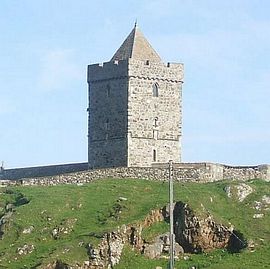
(134, 108)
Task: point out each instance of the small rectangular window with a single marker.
(154, 155)
(155, 134)
(106, 125)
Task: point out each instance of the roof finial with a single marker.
(135, 23)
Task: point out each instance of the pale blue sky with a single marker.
(46, 45)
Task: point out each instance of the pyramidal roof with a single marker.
(137, 47)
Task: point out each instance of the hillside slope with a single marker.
(40, 225)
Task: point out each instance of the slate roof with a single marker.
(137, 47)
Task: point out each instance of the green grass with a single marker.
(93, 209)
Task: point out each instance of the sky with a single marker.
(46, 45)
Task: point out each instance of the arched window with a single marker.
(156, 122)
(154, 155)
(155, 89)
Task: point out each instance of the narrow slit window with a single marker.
(155, 89)
(108, 91)
(154, 155)
(107, 125)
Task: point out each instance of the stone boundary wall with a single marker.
(246, 172)
(182, 172)
(42, 171)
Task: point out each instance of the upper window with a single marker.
(155, 89)
(155, 122)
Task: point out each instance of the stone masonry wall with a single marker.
(182, 172)
(42, 171)
(107, 134)
(246, 172)
(154, 123)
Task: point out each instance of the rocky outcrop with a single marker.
(8, 210)
(108, 252)
(240, 191)
(196, 234)
(192, 235)
(65, 227)
(58, 265)
(261, 207)
(25, 249)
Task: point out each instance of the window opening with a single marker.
(155, 134)
(155, 90)
(156, 122)
(107, 125)
(108, 91)
(154, 155)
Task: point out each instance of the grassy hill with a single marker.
(81, 215)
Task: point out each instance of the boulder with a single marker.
(25, 249)
(240, 191)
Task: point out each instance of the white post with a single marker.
(171, 217)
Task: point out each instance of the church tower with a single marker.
(135, 107)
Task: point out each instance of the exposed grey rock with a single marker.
(257, 205)
(266, 199)
(251, 245)
(28, 230)
(25, 249)
(228, 191)
(241, 191)
(196, 234)
(6, 218)
(258, 216)
(154, 250)
(55, 233)
(3, 221)
(178, 249)
(263, 204)
(192, 234)
(10, 207)
(122, 198)
(64, 228)
(161, 246)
